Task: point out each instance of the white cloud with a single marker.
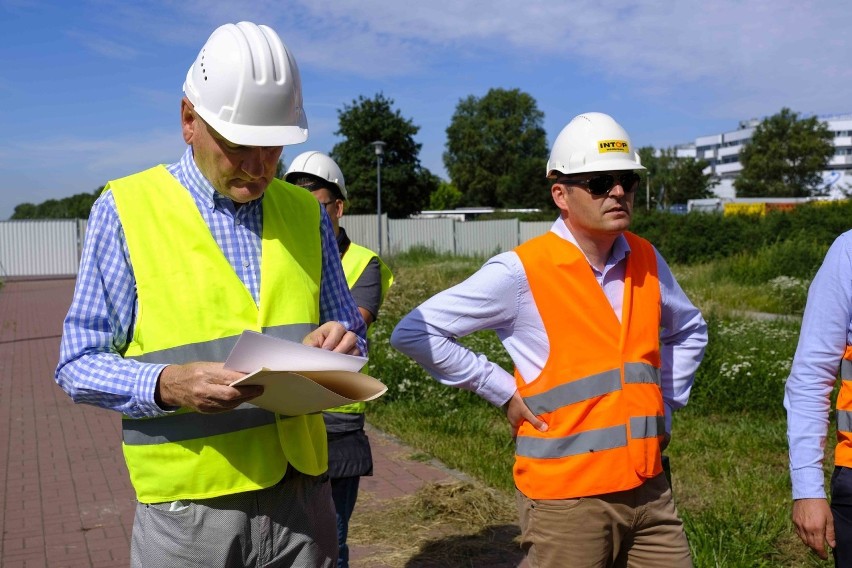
(102, 46)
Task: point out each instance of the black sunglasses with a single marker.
(602, 184)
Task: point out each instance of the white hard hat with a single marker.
(320, 165)
(246, 86)
(592, 142)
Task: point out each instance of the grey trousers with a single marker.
(289, 524)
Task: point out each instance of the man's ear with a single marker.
(338, 209)
(559, 192)
(188, 120)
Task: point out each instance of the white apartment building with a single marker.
(722, 152)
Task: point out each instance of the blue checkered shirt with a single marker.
(99, 324)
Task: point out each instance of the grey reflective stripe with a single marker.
(192, 425)
(647, 426)
(846, 369)
(219, 349)
(844, 420)
(575, 391)
(641, 373)
(215, 350)
(584, 442)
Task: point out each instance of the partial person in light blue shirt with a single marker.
(826, 332)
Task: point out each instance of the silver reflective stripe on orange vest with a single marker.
(592, 386)
(575, 391)
(219, 349)
(846, 369)
(844, 420)
(641, 373)
(647, 426)
(584, 442)
(192, 425)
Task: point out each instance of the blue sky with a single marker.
(90, 89)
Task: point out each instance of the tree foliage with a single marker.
(670, 179)
(74, 207)
(447, 196)
(497, 151)
(785, 157)
(405, 184)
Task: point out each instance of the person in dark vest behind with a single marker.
(178, 261)
(369, 278)
(605, 346)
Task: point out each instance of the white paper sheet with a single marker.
(255, 351)
(298, 379)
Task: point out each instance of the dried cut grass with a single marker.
(443, 524)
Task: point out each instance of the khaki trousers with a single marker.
(638, 528)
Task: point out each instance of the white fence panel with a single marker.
(52, 247)
(486, 238)
(39, 248)
(435, 234)
(363, 229)
(534, 229)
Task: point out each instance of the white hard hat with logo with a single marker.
(245, 84)
(320, 165)
(592, 142)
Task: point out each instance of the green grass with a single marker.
(728, 453)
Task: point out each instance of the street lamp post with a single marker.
(380, 149)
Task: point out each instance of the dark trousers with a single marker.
(344, 492)
(841, 509)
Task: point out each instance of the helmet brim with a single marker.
(610, 165)
(252, 135)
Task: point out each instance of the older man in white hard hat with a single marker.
(178, 261)
(369, 278)
(605, 346)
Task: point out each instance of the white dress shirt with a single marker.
(498, 297)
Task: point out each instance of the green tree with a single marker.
(74, 207)
(497, 151)
(406, 185)
(447, 196)
(785, 157)
(670, 179)
(281, 168)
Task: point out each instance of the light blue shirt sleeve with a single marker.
(683, 339)
(826, 331)
(99, 323)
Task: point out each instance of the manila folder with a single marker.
(294, 393)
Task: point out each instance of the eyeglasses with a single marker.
(602, 184)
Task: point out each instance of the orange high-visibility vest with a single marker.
(599, 390)
(843, 450)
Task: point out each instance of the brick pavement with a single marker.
(65, 497)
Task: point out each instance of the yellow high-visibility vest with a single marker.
(355, 261)
(192, 306)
